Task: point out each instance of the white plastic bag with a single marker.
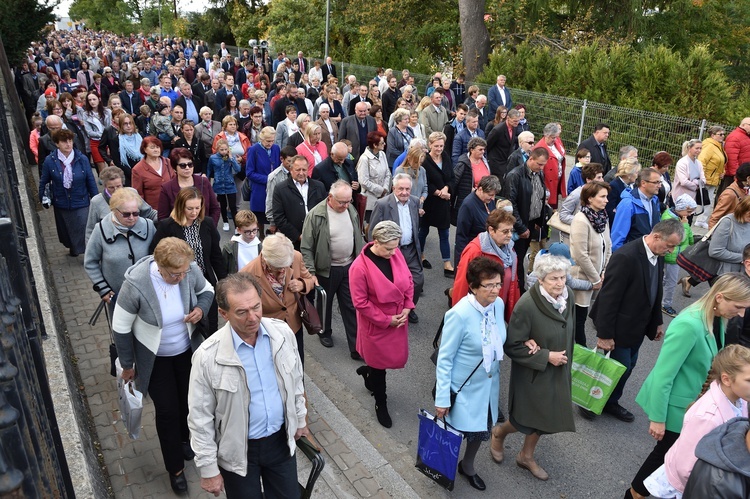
(131, 404)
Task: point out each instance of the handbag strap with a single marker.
(438, 334)
(470, 375)
(710, 232)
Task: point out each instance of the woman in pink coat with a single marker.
(726, 398)
(313, 148)
(554, 170)
(381, 288)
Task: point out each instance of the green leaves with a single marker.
(21, 23)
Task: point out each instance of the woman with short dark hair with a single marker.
(183, 163)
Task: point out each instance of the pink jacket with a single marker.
(682, 183)
(711, 410)
(307, 150)
(377, 300)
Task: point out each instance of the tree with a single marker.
(21, 23)
(474, 36)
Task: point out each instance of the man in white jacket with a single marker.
(246, 399)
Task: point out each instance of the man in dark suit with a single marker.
(498, 95)
(403, 208)
(501, 142)
(328, 69)
(390, 97)
(293, 198)
(481, 106)
(290, 99)
(201, 85)
(131, 100)
(461, 141)
(355, 129)
(303, 67)
(597, 146)
(628, 308)
(221, 95)
(58, 64)
(190, 102)
(337, 167)
(360, 97)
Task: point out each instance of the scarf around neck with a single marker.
(130, 148)
(560, 303)
(597, 219)
(492, 345)
(504, 253)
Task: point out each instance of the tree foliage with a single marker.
(656, 78)
(21, 23)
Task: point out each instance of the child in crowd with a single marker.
(161, 124)
(143, 120)
(222, 167)
(36, 129)
(725, 396)
(583, 158)
(245, 245)
(557, 249)
(684, 206)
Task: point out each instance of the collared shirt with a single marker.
(652, 258)
(646, 204)
(191, 112)
(537, 194)
(266, 409)
(404, 221)
(303, 188)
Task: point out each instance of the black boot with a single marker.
(364, 371)
(377, 382)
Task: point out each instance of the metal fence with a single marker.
(32, 461)
(649, 132)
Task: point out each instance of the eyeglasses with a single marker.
(129, 214)
(505, 231)
(531, 142)
(250, 232)
(653, 181)
(343, 203)
(492, 285)
(178, 274)
(185, 166)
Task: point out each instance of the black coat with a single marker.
(500, 146)
(210, 239)
(437, 211)
(197, 102)
(289, 207)
(596, 154)
(326, 173)
(622, 311)
(131, 107)
(200, 156)
(613, 198)
(518, 190)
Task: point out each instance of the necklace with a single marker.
(163, 285)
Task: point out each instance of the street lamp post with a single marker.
(328, 24)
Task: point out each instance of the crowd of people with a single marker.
(335, 183)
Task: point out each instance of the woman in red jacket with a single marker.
(554, 170)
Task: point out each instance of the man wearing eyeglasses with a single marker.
(331, 239)
(640, 209)
(737, 149)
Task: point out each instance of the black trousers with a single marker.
(168, 388)
(268, 460)
(231, 200)
(653, 461)
(581, 313)
(337, 283)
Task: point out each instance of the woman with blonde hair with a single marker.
(689, 177)
(161, 301)
(313, 148)
(627, 171)
(691, 342)
(188, 222)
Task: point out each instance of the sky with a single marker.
(183, 5)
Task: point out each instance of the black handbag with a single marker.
(309, 315)
(696, 260)
(702, 198)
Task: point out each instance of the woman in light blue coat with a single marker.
(469, 361)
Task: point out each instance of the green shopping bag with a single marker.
(594, 378)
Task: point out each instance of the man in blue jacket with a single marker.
(638, 210)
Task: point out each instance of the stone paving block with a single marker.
(357, 472)
(337, 447)
(366, 487)
(340, 462)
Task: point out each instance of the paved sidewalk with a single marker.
(354, 468)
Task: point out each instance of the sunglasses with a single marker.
(185, 166)
(129, 214)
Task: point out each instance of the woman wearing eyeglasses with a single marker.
(182, 161)
(117, 242)
(188, 222)
(162, 299)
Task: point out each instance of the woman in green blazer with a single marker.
(692, 340)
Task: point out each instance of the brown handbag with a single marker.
(309, 315)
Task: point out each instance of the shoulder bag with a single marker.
(696, 260)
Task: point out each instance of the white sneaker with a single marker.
(226, 227)
(702, 225)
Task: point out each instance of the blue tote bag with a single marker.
(437, 449)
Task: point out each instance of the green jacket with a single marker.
(316, 239)
(680, 370)
(686, 241)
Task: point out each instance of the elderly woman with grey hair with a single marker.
(382, 289)
(399, 135)
(554, 170)
(282, 276)
(539, 399)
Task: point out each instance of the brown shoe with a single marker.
(685, 287)
(497, 446)
(534, 468)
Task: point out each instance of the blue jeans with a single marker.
(443, 234)
(627, 356)
(268, 459)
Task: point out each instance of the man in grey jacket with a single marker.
(246, 399)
